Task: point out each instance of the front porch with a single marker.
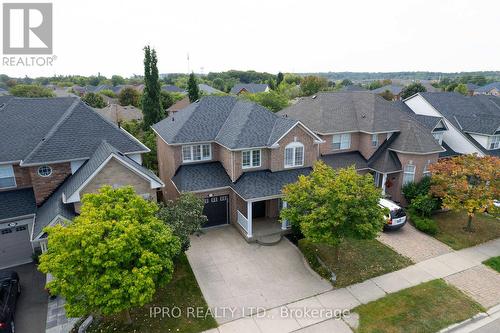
(261, 219)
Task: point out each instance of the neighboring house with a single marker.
(172, 88)
(472, 122)
(471, 88)
(251, 88)
(118, 114)
(177, 106)
(237, 156)
(3, 92)
(489, 89)
(208, 90)
(53, 151)
(394, 89)
(353, 87)
(374, 135)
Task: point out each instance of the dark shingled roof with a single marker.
(17, 203)
(208, 90)
(259, 184)
(227, 120)
(201, 176)
(385, 160)
(448, 151)
(172, 88)
(344, 160)
(252, 88)
(414, 138)
(395, 89)
(44, 130)
(335, 112)
(487, 88)
(353, 87)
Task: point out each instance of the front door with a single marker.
(259, 209)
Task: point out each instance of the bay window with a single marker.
(341, 141)
(250, 158)
(195, 153)
(294, 155)
(7, 177)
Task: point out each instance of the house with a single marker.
(118, 114)
(353, 87)
(394, 89)
(172, 88)
(208, 90)
(471, 88)
(472, 122)
(489, 89)
(251, 88)
(179, 105)
(237, 155)
(52, 152)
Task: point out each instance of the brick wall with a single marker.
(23, 177)
(365, 144)
(265, 162)
(169, 159)
(310, 149)
(44, 186)
(326, 147)
(224, 156)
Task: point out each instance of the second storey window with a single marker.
(7, 178)
(494, 142)
(250, 158)
(294, 155)
(408, 174)
(374, 140)
(341, 141)
(196, 153)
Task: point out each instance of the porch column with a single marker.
(384, 179)
(249, 218)
(284, 222)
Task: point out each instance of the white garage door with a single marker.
(15, 246)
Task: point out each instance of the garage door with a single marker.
(15, 246)
(217, 211)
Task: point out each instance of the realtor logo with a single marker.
(27, 28)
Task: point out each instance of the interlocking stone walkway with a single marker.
(460, 268)
(413, 244)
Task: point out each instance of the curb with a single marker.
(475, 319)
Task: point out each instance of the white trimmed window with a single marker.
(44, 171)
(408, 174)
(494, 142)
(374, 140)
(294, 155)
(341, 141)
(427, 172)
(250, 158)
(7, 177)
(438, 136)
(195, 153)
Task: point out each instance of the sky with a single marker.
(107, 36)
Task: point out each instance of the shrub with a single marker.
(109, 93)
(424, 224)
(94, 100)
(412, 189)
(129, 96)
(31, 90)
(424, 205)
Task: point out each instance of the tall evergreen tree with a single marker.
(193, 90)
(279, 78)
(151, 106)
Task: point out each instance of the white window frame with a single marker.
(494, 142)
(44, 167)
(438, 136)
(191, 148)
(252, 153)
(410, 174)
(374, 140)
(426, 171)
(7, 171)
(294, 147)
(343, 140)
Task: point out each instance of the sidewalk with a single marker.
(284, 319)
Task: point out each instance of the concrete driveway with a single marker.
(31, 311)
(238, 278)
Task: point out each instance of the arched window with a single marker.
(294, 155)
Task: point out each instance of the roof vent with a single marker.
(173, 119)
(363, 116)
(314, 96)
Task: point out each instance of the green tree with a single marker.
(166, 99)
(329, 205)
(28, 90)
(346, 82)
(279, 78)
(272, 100)
(312, 84)
(412, 89)
(467, 182)
(107, 92)
(151, 105)
(117, 80)
(218, 83)
(461, 89)
(387, 95)
(94, 100)
(184, 216)
(129, 96)
(112, 257)
(192, 89)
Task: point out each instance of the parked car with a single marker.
(397, 215)
(10, 288)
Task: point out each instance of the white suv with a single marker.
(397, 216)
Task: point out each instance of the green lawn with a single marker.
(182, 292)
(358, 260)
(493, 263)
(428, 307)
(451, 232)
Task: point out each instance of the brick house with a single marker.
(53, 151)
(237, 155)
(250, 88)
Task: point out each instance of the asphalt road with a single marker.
(493, 327)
